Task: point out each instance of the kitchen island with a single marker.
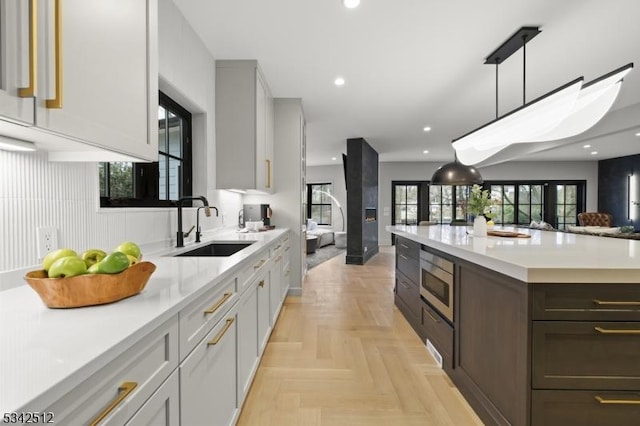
(542, 330)
(69, 364)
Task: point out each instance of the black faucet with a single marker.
(180, 235)
(206, 209)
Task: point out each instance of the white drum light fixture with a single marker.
(351, 4)
(564, 112)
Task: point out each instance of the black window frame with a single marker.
(310, 203)
(146, 176)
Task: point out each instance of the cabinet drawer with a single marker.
(408, 248)
(586, 355)
(409, 266)
(409, 292)
(147, 364)
(256, 266)
(438, 331)
(163, 408)
(562, 408)
(586, 302)
(197, 319)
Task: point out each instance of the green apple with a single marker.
(68, 266)
(93, 256)
(132, 260)
(114, 263)
(51, 257)
(129, 248)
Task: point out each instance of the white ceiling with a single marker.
(415, 63)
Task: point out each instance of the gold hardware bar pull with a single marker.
(259, 264)
(403, 284)
(216, 339)
(124, 390)
(432, 316)
(261, 283)
(601, 400)
(615, 331)
(30, 91)
(219, 303)
(268, 185)
(56, 103)
(616, 303)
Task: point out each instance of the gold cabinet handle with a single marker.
(287, 248)
(616, 303)
(601, 400)
(30, 91)
(216, 339)
(259, 264)
(403, 256)
(261, 283)
(278, 259)
(268, 185)
(219, 303)
(123, 391)
(278, 246)
(615, 331)
(56, 102)
(403, 284)
(433, 317)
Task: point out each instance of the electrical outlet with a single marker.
(47, 241)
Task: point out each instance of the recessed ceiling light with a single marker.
(350, 4)
(638, 134)
(426, 129)
(586, 146)
(334, 158)
(339, 81)
(426, 151)
(594, 152)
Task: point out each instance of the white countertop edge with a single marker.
(47, 396)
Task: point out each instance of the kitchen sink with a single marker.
(217, 249)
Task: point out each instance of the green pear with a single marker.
(51, 257)
(68, 266)
(114, 263)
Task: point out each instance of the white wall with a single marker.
(335, 176)
(521, 170)
(36, 193)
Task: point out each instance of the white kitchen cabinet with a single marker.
(208, 377)
(16, 100)
(275, 274)
(264, 310)
(96, 92)
(247, 339)
(244, 127)
(162, 408)
(134, 376)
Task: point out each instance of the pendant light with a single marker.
(456, 173)
(566, 111)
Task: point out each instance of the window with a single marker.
(319, 203)
(161, 183)
(405, 204)
(448, 203)
(566, 202)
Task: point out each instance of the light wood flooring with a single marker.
(342, 354)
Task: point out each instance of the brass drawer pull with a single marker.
(403, 284)
(287, 248)
(30, 91)
(404, 246)
(278, 246)
(404, 257)
(219, 303)
(56, 102)
(615, 331)
(216, 339)
(259, 264)
(433, 317)
(616, 303)
(601, 400)
(278, 259)
(261, 283)
(123, 391)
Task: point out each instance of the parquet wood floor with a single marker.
(342, 354)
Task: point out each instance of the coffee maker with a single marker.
(256, 213)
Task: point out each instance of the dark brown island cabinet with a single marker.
(539, 354)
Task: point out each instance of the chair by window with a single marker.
(595, 219)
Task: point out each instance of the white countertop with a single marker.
(546, 257)
(46, 352)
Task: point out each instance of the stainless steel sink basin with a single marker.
(218, 249)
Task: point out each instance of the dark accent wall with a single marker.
(362, 201)
(614, 191)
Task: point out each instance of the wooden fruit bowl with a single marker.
(90, 289)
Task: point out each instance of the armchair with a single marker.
(595, 219)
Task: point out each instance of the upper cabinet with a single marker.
(91, 66)
(244, 127)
